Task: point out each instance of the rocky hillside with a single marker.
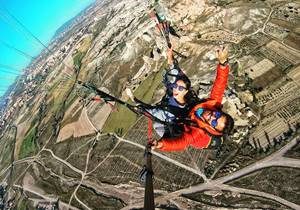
(59, 148)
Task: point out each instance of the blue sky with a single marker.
(42, 18)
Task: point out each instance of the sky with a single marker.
(42, 18)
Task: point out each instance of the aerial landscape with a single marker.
(62, 146)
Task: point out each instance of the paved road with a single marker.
(276, 159)
(64, 162)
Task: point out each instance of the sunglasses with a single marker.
(214, 122)
(179, 87)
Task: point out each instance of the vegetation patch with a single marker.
(52, 185)
(122, 119)
(119, 121)
(294, 152)
(77, 59)
(71, 99)
(147, 89)
(100, 25)
(58, 96)
(84, 46)
(95, 199)
(227, 199)
(24, 204)
(6, 149)
(29, 147)
(270, 180)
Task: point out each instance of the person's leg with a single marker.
(163, 116)
(159, 129)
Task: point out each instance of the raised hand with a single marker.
(222, 54)
(156, 145)
(170, 56)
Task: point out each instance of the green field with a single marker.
(77, 59)
(123, 119)
(29, 147)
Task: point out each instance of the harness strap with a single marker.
(150, 133)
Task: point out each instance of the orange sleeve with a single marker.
(194, 137)
(174, 144)
(178, 143)
(220, 83)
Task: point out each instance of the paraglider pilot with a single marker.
(210, 123)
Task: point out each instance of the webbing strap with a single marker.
(150, 134)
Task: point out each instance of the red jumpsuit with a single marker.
(197, 136)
